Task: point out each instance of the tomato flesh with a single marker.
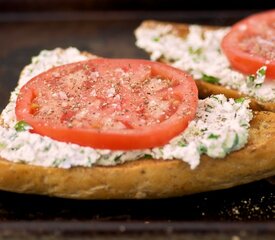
(250, 44)
(117, 104)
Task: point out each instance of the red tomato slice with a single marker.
(117, 104)
(250, 44)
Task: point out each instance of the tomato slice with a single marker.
(116, 104)
(250, 44)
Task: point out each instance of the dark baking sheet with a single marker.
(244, 212)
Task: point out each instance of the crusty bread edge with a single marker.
(207, 89)
(149, 178)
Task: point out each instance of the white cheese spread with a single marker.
(200, 54)
(220, 127)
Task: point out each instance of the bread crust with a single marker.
(149, 178)
(208, 89)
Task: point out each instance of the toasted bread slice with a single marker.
(150, 178)
(205, 89)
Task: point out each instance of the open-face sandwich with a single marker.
(237, 61)
(82, 127)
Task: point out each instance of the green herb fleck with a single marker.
(193, 51)
(47, 148)
(202, 149)
(147, 156)
(58, 161)
(2, 145)
(215, 97)
(261, 71)
(182, 144)
(236, 141)
(210, 79)
(22, 126)
(209, 108)
(258, 85)
(117, 158)
(213, 136)
(256, 81)
(173, 60)
(15, 148)
(251, 78)
(251, 81)
(239, 100)
(156, 39)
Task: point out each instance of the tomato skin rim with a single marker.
(128, 139)
(249, 64)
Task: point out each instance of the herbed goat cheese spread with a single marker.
(200, 54)
(221, 126)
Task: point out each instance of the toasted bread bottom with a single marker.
(151, 178)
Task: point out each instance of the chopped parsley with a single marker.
(195, 51)
(117, 158)
(251, 78)
(58, 161)
(18, 146)
(261, 72)
(210, 79)
(182, 144)
(252, 81)
(236, 141)
(216, 98)
(208, 108)
(256, 81)
(47, 147)
(202, 149)
(213, 136)
(147, 156)
(173, 60)
(22, 126)
(2, 145)
(156, 39)
(239, 100)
